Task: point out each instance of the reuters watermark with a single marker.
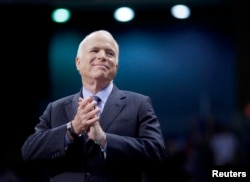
(229, 174)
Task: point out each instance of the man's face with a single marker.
(99, 58)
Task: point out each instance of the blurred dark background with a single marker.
(196, 71)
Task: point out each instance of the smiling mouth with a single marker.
(101, 65)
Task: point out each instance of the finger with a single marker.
(89, 107)
(82, 102)
(91, 114)
(90, 123)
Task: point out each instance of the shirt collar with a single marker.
(103, 94)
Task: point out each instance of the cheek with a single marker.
(84, 68)
(113, 71)
(113, 64)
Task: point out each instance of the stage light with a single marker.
(61, 15)
(180, 11)
(124, 14)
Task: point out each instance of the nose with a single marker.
(101, 54)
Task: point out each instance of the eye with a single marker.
(94, 50)
(110, 53)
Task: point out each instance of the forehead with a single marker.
(100, 39)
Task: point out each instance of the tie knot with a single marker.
(96, 98)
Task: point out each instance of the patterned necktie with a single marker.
(98, 100)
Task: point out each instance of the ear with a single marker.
(77, 60)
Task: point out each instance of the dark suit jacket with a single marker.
(135, 144)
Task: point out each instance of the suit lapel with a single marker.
(71, 106)
(114, 105)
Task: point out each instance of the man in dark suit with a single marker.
(114, 136)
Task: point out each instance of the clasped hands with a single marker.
(87, 120)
